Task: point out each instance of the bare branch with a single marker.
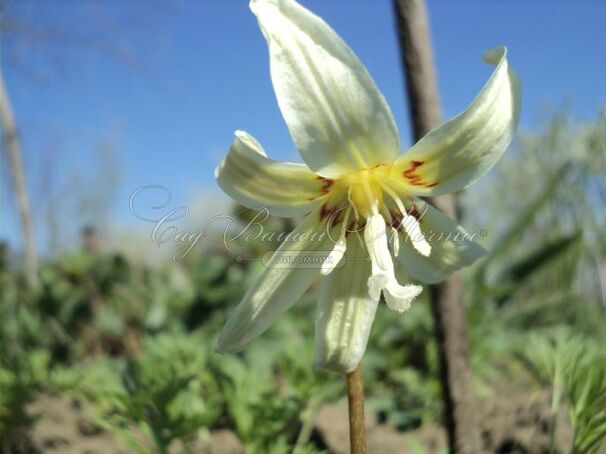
(447, 297)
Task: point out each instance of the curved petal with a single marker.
(337, 117)
(383, 279)
(279, 286)
(345, 312)
(460, 151)
(252, 179)
(451, 246)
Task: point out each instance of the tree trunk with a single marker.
(13, 148)
(447, 297)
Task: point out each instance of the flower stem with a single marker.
(355, 399)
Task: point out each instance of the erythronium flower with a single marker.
(355, 185)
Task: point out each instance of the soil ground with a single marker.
(515, 422)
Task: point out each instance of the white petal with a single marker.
(278, 287)
(457, 153)
(337, 117)
(398, 297)
(252, 179)
(345, 313)
(451, 246)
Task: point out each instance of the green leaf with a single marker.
(517, 228)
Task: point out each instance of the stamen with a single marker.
(351, 202)
(394, 197)
(395, 243)
(371, 199)
(373, 203)
(410, 224)
(382, 279)
(414, 232)
(337, 254)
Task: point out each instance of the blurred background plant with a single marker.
(134, 342)
(114, 342)
(575, 370)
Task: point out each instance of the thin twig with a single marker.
(13, 150)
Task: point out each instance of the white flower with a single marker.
(356, 185)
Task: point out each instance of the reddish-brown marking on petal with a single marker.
(430, 185)
(355, 226)
(377, 166)
(325, 211)
(336, 217)
(326, 183)
(417, 182)
(409, 173)
(350, 228)
(333, 215)
(414, 165)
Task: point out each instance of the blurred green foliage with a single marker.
(575, 369)
(135, 342)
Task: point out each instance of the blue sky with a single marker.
(200, 72)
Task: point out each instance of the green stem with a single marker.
(307, 419)
(555, 406)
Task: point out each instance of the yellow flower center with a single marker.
(364, 189)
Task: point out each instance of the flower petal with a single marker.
(252, 179)
(337, 117)
(382, 279)
(460, 151)
(278, 287)
(345, 312)
(451, 246)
